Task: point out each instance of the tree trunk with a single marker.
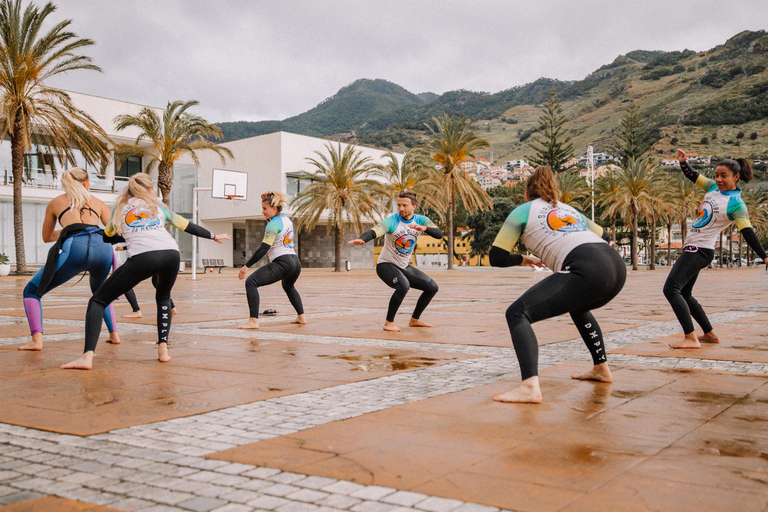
(721, 249)
(633, 246)
(730, 247)
(683, 230)
(165, 181)
(17, 166)
(613, 228)
(339, 240)
(669, 244)
(740, 239)
(652, 266)
(450, 227)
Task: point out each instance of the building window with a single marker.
(131, 166)
(295, 184)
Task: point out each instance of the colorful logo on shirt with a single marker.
(140, 218)
(405, 244)
(704, 214)
(564, 222)
(288, 239)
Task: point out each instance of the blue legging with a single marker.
(84, 251)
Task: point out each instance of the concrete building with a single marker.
(272, 162)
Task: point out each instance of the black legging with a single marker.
(130, 296)
(286, 268)
(163, 264)
(679, 286)
(402, 279)
(592, 275)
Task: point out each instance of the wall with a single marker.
(316, 249)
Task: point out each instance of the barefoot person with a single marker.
(588, 273)
(283, 264)
(139, 219)
(401, 231)
(722, 204)
(79, 247)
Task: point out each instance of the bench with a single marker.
(219, 264)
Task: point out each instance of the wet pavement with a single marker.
(340, 415)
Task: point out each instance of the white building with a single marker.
(272, 162)
(514, 165)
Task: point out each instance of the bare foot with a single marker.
(528, 392)
(36, 343)
(709, 337)
(599, 373)
(84, 362)
(689, 341)
(174, 311)
(133, 314)
(162, 353)
(415, 322)
(114, 338)
(391, 327)
(252, 323)
(299, 320)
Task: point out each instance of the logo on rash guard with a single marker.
(564, 222)
(704, 214)
(288, 239)
(404, 244)
(140, 218)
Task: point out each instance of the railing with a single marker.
(44, 179)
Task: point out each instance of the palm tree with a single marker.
(684, 195)
(178, 133)
(632, 198)
(32, 114)
(340, 186)
(573, 188)
(452, 142)
(410, 173)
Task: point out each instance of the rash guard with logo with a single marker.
(399, 238)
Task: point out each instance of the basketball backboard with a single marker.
(229, 184)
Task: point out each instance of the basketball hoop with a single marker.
(234, 196)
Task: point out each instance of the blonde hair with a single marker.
(141, 187)
(72, 181)
(274, 199)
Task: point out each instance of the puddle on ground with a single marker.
(626, 394)
(733, 448)
(383, 362)
(706, 397)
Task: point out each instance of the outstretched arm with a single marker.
(501, 252)
(380, 229)
(183, 224)
(745, 227)
(699, 180)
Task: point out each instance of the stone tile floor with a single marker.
(242, 421)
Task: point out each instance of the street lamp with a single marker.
(194, 221)
(591, 173)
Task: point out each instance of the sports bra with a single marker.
(86, 207)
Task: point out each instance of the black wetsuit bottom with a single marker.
(402, 279)
(162, 264)
(591, 276)
(130, 296)
(287, 269)
(679, 287)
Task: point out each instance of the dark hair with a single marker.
(542, 185)
(740, 166)
(407, 194)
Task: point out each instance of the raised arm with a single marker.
(380, 229)
(701, 181)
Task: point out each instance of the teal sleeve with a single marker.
(513, 228)
(737, 212)
(424, 221)
(705, 183)
(274, 227)
(387, 225)
(593, 227)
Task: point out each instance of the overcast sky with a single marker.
(255, 60)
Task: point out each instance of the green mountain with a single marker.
(713, 102)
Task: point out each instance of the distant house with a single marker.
(599, 159)
(513, 165)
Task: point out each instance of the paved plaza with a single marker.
(339, 415)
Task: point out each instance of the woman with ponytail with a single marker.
(79, 247)
(588, 273)
(283, 263)
(722, 204)
(139, 220)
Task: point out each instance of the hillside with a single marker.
(712, 102)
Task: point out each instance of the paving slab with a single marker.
(54, 504)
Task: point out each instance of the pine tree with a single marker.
(552, 143)
(634, 139)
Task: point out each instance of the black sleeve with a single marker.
(606, 236)
(753, 241)
(689, 173)
(368, 236)
(434, 232)
(114, 239)
(194, 229)
(501, 258)
(260, 252)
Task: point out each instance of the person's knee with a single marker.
(515, 314)
(432, 287)
(403, 287)
(671, 290)
(252, 281)
(30, 290)
(98, 302)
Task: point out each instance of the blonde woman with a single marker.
(139, 219)
(283, 264)
(79, 247)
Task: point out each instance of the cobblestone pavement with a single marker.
(162, 466)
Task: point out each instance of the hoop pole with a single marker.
(194, 221)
